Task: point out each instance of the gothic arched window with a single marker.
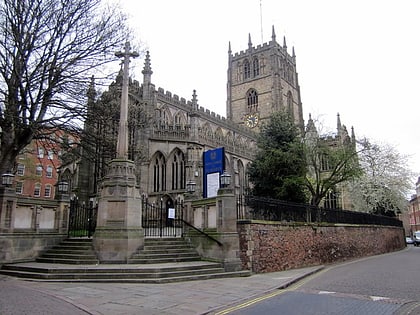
(290, 104)
(256, 67)
(332, 200)
(247, 69)
(252, 100)
(159, 173)
(178, 171)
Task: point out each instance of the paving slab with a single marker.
(188, 298)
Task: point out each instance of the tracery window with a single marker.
(247, 69)
(290, 104)
(332, 200)
(252, 100)
(159, 173)
(178, 171)
(324, 161)
(256, 67)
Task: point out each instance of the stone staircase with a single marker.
(164, 250)
(74, 251)
(161, 261)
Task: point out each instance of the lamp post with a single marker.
(7, 179)
(225, 179)
(63, 187)
(191, 186)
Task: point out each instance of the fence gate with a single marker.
(163, 219)
(82, 219)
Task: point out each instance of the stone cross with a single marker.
(122, 140)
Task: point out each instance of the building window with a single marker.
(247, 69)
(40, 153)
(290, 105)
(38, 170)
(332, 200)
(325, 164)
(159, 174)
(256, 67)
(49, 172)
(47, 191)
(20, 170)
(19, 188)
(37, 190)
(252, 100)
(50, 155)
(178, 171)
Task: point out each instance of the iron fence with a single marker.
(82, 219)
(258, 208)
(162, 220)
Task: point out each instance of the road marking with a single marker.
(379, 298)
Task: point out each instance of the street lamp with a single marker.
(225, 179)
(63, 187)
(7, 179)
(191, 186)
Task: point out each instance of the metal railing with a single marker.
(160, 221)
(259, 208)
(82, 219)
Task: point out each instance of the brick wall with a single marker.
(268, 247)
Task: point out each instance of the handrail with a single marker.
(202, 232)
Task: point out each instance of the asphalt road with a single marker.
(386, 284)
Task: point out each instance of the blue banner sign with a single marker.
(214, 162)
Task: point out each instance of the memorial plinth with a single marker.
(119, 230)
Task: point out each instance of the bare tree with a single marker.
(49, 49)
(386, 181)
(328, 167)
(332, 160)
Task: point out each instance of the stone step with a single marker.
(73, 256)
(123, 274)
(61, 251)
(67, 261)
(164, 250)
(158, 260)
(77, 251)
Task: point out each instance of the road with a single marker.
(385, 284)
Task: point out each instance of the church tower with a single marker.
(262, 80)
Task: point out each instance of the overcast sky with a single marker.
(359, 58)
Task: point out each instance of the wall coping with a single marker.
(314, 225)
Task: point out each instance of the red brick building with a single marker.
(414, 209)
(37, 167)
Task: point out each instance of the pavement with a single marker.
(191, 297)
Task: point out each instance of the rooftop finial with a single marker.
(273, 34)
(194, 100)
(147, 69)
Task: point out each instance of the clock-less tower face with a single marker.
(262, 80)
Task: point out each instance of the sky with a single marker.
(358, 58)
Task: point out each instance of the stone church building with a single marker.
(168, 134)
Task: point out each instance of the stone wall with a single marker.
(272, 246)
(21, 247)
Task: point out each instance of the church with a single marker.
(169, 135)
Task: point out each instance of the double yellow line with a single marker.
(270, 295)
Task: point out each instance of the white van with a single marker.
(416, 238)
